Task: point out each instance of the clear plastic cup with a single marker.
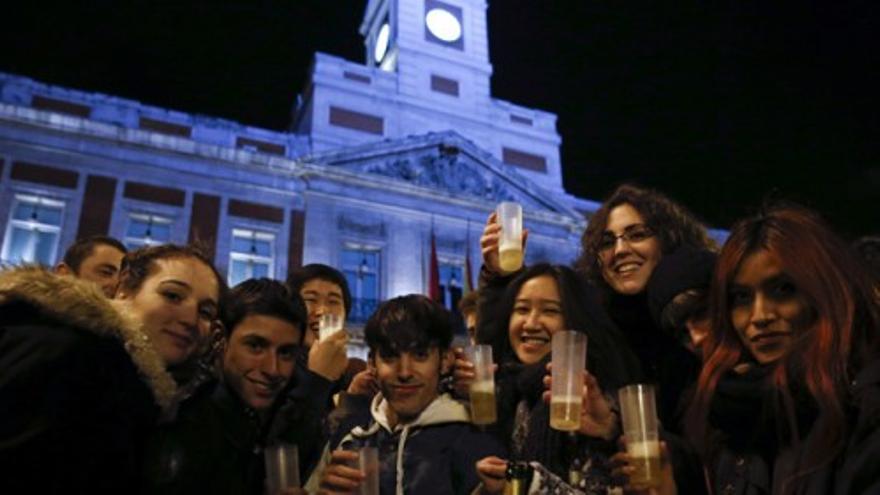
(368, 462)
(282, 467)
(639, 415)
(329, 325)
(569, 361)
(510, 249)
(482, 390)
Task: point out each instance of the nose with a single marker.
(532, 320)
(404, 368)
(763, 311)
(621, 246)
(269, 366)
(189, 317)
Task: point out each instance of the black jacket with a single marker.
(215, 442)
(855, 471)
(80, 388)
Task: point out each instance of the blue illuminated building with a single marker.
(379, 155)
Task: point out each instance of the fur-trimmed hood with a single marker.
(82, 305)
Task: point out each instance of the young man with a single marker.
(96, 259)
(214, 444)
(324, 290)
(426, 442)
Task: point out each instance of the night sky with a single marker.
(720, 104)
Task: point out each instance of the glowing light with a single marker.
(382, 42)
(443, 25)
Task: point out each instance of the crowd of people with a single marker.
(142, 372)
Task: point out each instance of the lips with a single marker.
(262, 389)
(767, 337)
(627, 267)
(180, 340)
(405, 390)
(534, 342)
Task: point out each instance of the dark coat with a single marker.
(438, 451)
(80, 388)
(215, 443)
(855, 471)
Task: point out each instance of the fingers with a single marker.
(492, 467)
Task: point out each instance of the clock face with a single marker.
(382, 39)
(443, 24)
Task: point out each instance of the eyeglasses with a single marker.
(632, 235)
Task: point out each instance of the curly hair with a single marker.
(672, 222)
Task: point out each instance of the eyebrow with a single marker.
(627, 228)
(186, 286)
(312, 292)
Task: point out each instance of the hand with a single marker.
(338, 477)
(492, 472)
(621, 467)
(489, 243)
(364, 383)
(328, 357)
(597, 418)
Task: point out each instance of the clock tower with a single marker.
(426, 69)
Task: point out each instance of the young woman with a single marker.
(789, 398)
(539, 302)
(83, 377)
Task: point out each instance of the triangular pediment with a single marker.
(446, 162)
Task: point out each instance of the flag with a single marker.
(434, 291)
(468, 275)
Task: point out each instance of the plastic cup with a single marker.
(569, 361)
(510, 249)
(282, 468)
(482, 390)
(639, 415)
(329, 325)
(368, 462)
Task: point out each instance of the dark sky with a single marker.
(719, 104)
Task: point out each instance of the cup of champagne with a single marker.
(569, 358)
(329, 325)
(510, 249)
(639, 414)
(482, 390)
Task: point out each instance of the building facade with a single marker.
(381, 157)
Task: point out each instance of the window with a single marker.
(451, 283)
(252, 255)
(361, 269)
(147, 230)
(33, 230)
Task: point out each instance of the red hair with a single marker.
(840, 339)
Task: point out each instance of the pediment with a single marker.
(445, 162)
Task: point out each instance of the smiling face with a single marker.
(537, 315)
(409, 380)
(259, 359)
(629, 251)
(177, 304)
(766, 309)
(321, 297)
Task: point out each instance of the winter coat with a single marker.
(80, 388)
(215, 443)
(434, 454)
(855, 471)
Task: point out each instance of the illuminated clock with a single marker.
(443, 24)
(382, 40)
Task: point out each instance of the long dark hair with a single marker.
(840, 339)
(673, 224)
(609, 358)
